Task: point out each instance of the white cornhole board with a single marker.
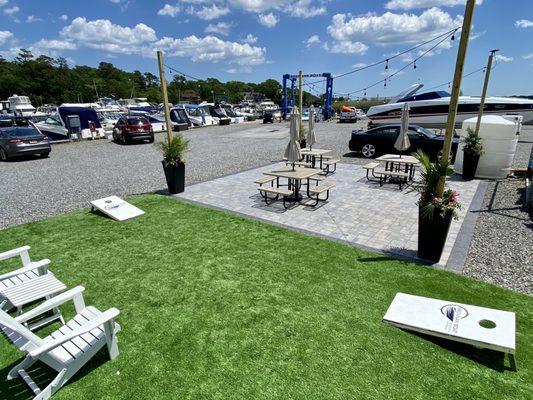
(117, 208)
(454, 321)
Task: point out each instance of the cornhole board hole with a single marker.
(116, 208)
(481, 327)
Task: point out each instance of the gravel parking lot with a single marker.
(501, 250)
(75, 173)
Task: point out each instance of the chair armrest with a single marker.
(20, 251)
(106, 316)
(30, 267)
(75, 294)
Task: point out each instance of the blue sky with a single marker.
(252, 40)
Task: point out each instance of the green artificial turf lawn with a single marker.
(215, 306)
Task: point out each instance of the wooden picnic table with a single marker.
(294, 177)
(314, 153)
(393, 162)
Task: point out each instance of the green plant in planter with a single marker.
(173, 150)
(473, 143)
(430, 203)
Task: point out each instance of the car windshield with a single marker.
(137, 121)
(20, 132)
(425, 131)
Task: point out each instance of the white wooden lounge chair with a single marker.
(67, 349)
(25, 285)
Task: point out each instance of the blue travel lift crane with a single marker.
(288, 99)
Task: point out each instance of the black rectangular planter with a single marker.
(175, 175)
(432, 234)
(470, 162)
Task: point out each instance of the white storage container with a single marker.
(500, 137)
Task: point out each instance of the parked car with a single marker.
(380, 140)
(19, 137)
(130, 128)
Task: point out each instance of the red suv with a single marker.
(130, 128)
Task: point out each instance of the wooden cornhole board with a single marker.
(117, 208)
(455, 321)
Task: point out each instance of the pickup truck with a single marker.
(350, 114)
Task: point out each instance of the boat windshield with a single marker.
(425, 96)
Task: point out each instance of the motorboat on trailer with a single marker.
(137, 104)
(198, 115)
(430, 109)
(230, 112)
(19, 106)
(180, 119)
(72, 120)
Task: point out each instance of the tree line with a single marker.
(48, 80)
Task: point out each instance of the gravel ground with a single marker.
(75, 173)
(501, 251)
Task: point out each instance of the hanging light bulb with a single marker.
(385, 84)
(484, 70)
(453, 36)
(449, 85)
(365, 91)
(414, 65)
(386, 64)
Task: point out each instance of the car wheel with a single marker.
(45, 155)
(439, 156)
(124, 140)
(151, 140)
(3, 155)
(368, 150)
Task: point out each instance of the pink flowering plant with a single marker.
(430, 203)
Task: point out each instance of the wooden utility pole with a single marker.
(485, 87)
(300, 101)
(456, 89)
(163, 81)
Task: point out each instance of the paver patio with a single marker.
(358, 212)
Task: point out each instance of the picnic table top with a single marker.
(298, 173)
(404, 159)
(315, 152)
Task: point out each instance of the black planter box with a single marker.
(470, 162)
(432, 234)
(175, 175)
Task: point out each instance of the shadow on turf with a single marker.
(42, 375)
(494, 360)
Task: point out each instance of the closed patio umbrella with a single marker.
(311, 137)
(293, 152)
(402, 143)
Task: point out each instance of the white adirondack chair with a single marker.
(33, 281)
(67, 349)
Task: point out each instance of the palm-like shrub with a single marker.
(473, 143)
(430, 203)
(173, 150)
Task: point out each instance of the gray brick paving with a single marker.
(358, 212)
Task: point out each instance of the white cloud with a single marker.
(63, 17)
(212, 49)
(295, 8)
(410, 4)
(5, 36)
(103, 34)
(53, 44)
(314, 39)
(269, 20)
(346, 47)
(208, 13)
(523, 23)
(390, 28)
(170, 11)
(526, 57)
(221, 28)
(3, 3)
(359, 65)
(502, 58)
(33, 18)
(11, 10)
(250, 39)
